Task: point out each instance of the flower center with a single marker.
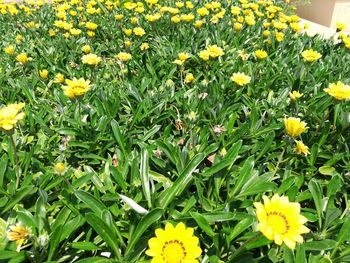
(173, 251)
(278, 222)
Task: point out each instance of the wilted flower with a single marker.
(19, 234)
(301, 148)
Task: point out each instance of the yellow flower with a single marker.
(183, 56)
(174, 245)
(338, 90)
(279, 36)
(22, 58)
(301, 148)
(144, 46)
(310, 55)
(198, 23)
(295, 95)
(86, 49)
(294, 126)
(281, 221)
(204, 54)
(60, 168)
(237, 26)
(19, 38)
(187, 17)
(19, 234)
(124, 56)
(118, 17)
(10, 115)
(75, 32)
(127, 31)
(189, 78)
(90, 26)
(10, 50)
(91, 59)
(76, 88)
(215, 51)
(340, 26)
(261, 54)
(59, 78)
(240, 79)
(202, 11)
(138, 31)
(90, 33)
(43, 73)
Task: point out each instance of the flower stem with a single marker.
(242, 247)
(16, 160)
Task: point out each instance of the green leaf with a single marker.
(118, 136)
(316, 192)
(325, 244)
(144, 174)
(203, 223)
(240, 227)
(85, 246)
(300, 256)
(91, 202)
(326, 170)
(181, 182)
(150, 218)
(344, 233)
(22, 193)
(104, 231)
(244, 175)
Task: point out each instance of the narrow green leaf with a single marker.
(203, 223)
(118, 136)
(22, 193)
(150, 218)
(244, 175)
(92, 202)
(240, 227)
(316, 192)
(181, 182)
(103, 230)
(144, 174)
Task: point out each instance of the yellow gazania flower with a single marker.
(144, 46)
(261, 54)
(9, 50)
(301, 148)
(91, 59)
(124, 56)
(215, 51)
(240, 79)
(202, 11)
(19, 38)
(90, 26)
(187, 17)
(19, 234)
(183, 56)
(294, 126)
(279, 36)
(338, 90)
(59, 78)
(76, 88)
(198, 23)
(174, 245)
(281, 221)
(310, 55)
(189, 78)
(138, 31)
(43, 73)
(75, 31)
(22, 58)
(340, 26)
(204, 54)
(10, 115)
(295, 95)
(237, 26)
(86, 49)
(60, 168)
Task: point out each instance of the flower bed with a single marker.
(171, 132)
